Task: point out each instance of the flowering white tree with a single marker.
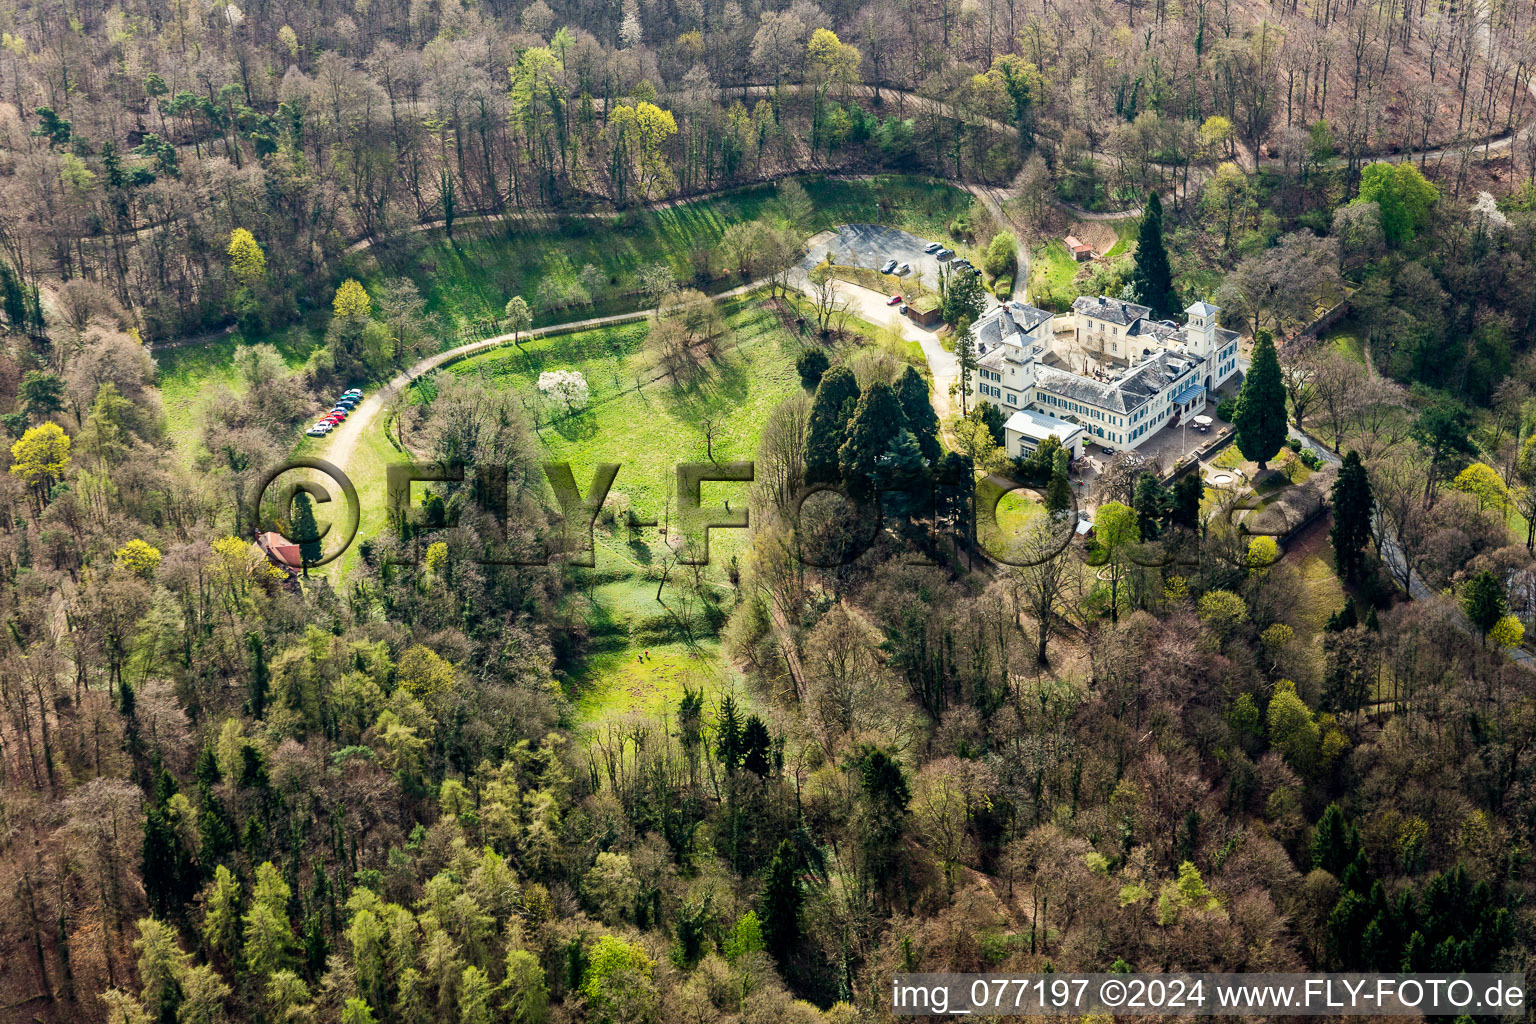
(1485, 210)
(567, 385)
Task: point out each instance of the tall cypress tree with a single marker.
(1058, 493)
(256, 687)
(781, 900)
(877, 423)
(755, 742)
(305, 530)
(1185, 508)
(831, 409)
(1260, 421)
(728, 735)
(912, 393)
(1353, 504)
(1152, 277)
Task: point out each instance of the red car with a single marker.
(895, 300)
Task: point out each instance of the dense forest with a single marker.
(374, 792)
(135, 138)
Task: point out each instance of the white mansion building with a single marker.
(1137, 374)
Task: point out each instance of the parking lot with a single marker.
(870, 245)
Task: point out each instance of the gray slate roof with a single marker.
(1112, 311)
(1141, 383)
(1008, 320)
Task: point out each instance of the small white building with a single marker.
(1026, 428)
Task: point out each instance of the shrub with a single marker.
(811, 365)
(1003, 289)
(1227, 408)
(1002, 255)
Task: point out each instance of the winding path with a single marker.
(1392, 555)
(342, 443)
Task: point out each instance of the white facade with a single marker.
(1026, 428)
(1153, 372)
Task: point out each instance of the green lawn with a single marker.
(1320, 583)
(1230, 457)
(1051, 270)
(638, 662)
(1013, 509)
(1348, 343)
(645, 651)
(1127, 231)
(471, 275)
(649, 426)
(190, 378)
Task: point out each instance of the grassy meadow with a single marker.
(469, 276)
(646, 651)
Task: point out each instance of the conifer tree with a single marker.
(1484, 602)
(256, 687)
(1184, 510)
(1353, 505)
(781, 899)
(876, 424)
(306, 531)
(1334, 842)
(1152, 276)
(169, 874)
(1151, 504)
(831, 409)
(912, 393)
(755, 742)
(1260, 423)
(1058, 493)
(728, 735)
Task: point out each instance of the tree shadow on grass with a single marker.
(639, 550)
(578, 426)
(718, 390)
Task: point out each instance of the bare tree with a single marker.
(1044, 577)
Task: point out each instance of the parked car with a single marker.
(894, 300)
(356, 393)
(962, 262)
(887, 266)
(906, 268)
(346, 403)
(319, 430)
(944, 254)
(903, 309)
(932, 247)
(1106, 449)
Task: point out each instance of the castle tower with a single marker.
(1200, 328)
